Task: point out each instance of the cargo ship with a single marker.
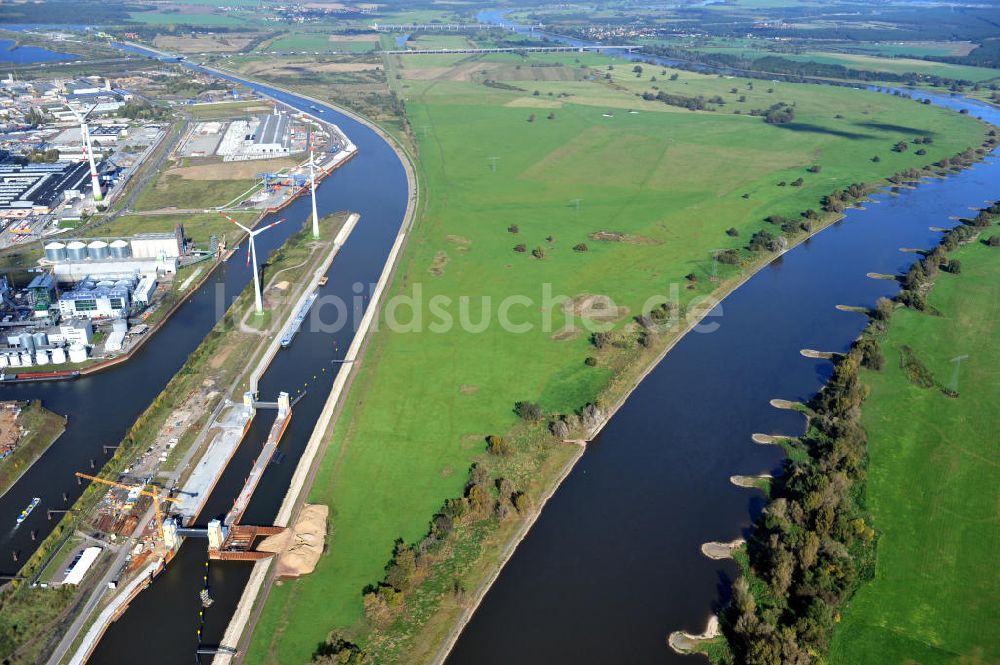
(296, 323)
(27, 511)
(24, 377)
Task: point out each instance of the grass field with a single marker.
(900, 65)
(670, 181)
(932, 486)
(205, 20)
(199, 226)
(169, 189)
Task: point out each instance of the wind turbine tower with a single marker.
(95, 182)
(312, 190)
(252, 257)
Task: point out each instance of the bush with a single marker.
(520, 248)
(529, 411)
(338, 651)
(815, 168)
(538, 253)
(729, 257)
(601, 339)
(497, 445)
(580, 247)
(590, 361)
(513, 228)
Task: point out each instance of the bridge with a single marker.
(446, 27)
(522, 49)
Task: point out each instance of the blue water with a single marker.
(25, 55)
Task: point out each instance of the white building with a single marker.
(99, 302)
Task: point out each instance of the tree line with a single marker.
(813, 545)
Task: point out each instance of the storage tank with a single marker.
(26, 342)
(58, 355)
(105, 284)
(76, 251)
(4, 360)
(55, 251)
(98, 250)
(124, 284)
(120, 249)
(25, 359)
(41, 357)
(77, 353)
(86, 285)
(40, 339)
(15, 360)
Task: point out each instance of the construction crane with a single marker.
(132, 488)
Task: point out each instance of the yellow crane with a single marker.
(156, 497)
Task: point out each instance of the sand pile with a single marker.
(299, 547)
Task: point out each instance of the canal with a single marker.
(103, 406)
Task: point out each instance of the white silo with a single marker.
(15, 360)
(26, 341)
(41, 357)
(58, 355)
(76, 251)
(120, 249)
(77, 353)
(40, 339)
(98, 250)
(4, 360)
(55, 252)
(25, 359)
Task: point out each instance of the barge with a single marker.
(293, 327)
(25, 377)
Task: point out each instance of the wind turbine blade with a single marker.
(269, 226)
(249, 251)
(87, 115)
(235, 222)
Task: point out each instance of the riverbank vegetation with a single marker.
(934, 594)
(556, 153)
(838, 517)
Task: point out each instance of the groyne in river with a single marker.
(614, 562)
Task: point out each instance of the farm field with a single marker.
(322, 42)
(604, 201)
(935, 594)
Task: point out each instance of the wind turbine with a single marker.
(312, 189)
(252, 256)
(95, 182)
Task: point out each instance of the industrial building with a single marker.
(265, 137)
(146, 254)
(97, 300)
(271, 137)
(68, 342)
(39, 188)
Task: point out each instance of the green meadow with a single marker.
(932, 486)
(900, 65)
(299, 42)
(649, 193)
